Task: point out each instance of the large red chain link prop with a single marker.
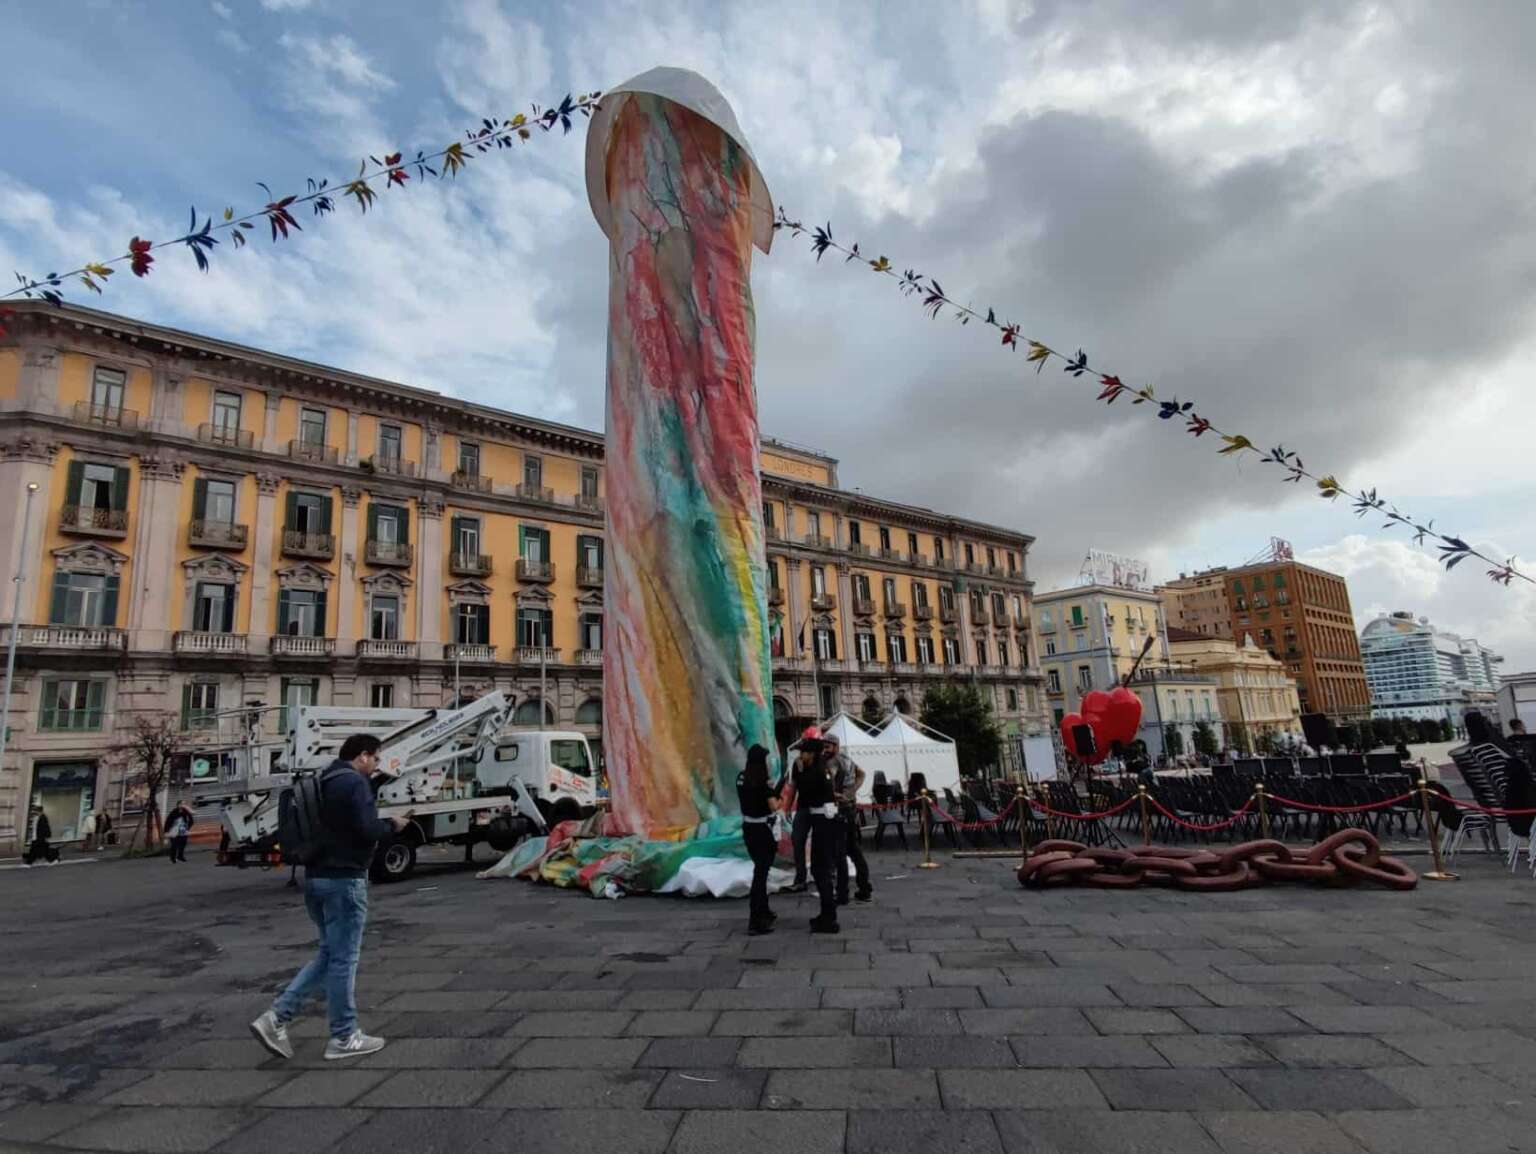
(1346, 858)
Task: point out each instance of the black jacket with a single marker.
(43, 830)
(352, 824)
(170, 818)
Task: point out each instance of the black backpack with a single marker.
(301, 831)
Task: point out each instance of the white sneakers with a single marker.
(353, 1046)
(273, 1034)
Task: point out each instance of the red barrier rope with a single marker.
(974, 825)
(1391, 801)
(1198, 826)
(1080, 816)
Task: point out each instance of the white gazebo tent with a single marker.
(919, 749)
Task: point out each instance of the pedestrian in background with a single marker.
(813, 794)
(758, 803)
(847, 780)
(800, 824)
(42, 833)
(178, 827)
(88, 828)
(104, 835)
(336, 896)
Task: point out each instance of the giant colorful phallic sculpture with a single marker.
(686, 670)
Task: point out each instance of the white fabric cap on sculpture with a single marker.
(694, 93)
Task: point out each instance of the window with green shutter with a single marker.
(200, 705)
(85, 600)
(72, 704)
(532, 543)
(388, 523)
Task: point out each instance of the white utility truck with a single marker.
(457, 775)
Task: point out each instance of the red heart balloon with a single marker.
(1094, 704)
(1101, 745)
(1068, 723)
(1122, 715)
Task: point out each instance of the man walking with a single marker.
(178, 827)
(336, 896)
(847, 780)
(42, 835)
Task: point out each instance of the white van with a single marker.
(555, 765)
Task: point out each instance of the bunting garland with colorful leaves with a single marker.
(935, 301)
(278, 212)
(497, 134)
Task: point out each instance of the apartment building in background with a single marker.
(1257, 697)
(1199, 603)
(219, 533)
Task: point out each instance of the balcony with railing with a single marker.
(979, 615)
(948, 614)
(55, 720)
(531, 570)
(469, 564)
(895, 610)
(863, 607)
(211, 644)
(817, 541)
(470, 482)
(470, 653)
(919, 559)
(785, 664)
(589, 657)
(317, 546)
(833, 665)
(217, 534)
(946, 563)
(859, 549)
(904, 668)
(72, 637)
(823, 602)
(922, 612)
(371, 649)
(895, 555)
(538, 493)
(1000, 618)
(112, 416)
(312, 451)
(772, 533)
(89, 521)
(230, 436)
(995, 571)
(537, 654)
(871, 666)
(589, 577)
(293, 645)
(388, 552)
(588, 504)
(389, 465)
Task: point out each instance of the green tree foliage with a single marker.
(959, 712)
(1204, 739)
(1173, 740)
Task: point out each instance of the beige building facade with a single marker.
(1198, 604)
(1258, 697)
(217, 534)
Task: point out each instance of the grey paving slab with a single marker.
(330, 1087)
(1212, 1051)
(851, 1089)
(572, 1024)
(760, 1132)
(1368, 1019)
(424, 1088)
(690, 1052)
(710, 1089)
(1500, 1047)
(1101, 1132)
(1337, 1051)
(1171, 1090)
(921, 1132)
(906, 1022)
(1033, 1089)
(199, 1088)
(477, 1024)
(1469, 1130)
(294, 1131)
(1033, 992)
(1274, 994)
(579, 1053)
(819, 1053)
(1055, 1020)
(1277, 1132)
(1078, 1050)
(455, 1053)
(574, 1089)
(36, 1121)
(1125, 1020)
(804, 997)
(940, 1053)
(1243, 1020)
(859, 998)
(170, 1129)
(610, 1131)
(940, 997)
(1449, 1086)
(1332, 1089)
(657, 1000)
(782, 1024)
(1144, 995)
(672, 1023)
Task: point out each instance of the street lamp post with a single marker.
(10, 653)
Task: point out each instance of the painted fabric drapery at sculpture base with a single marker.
(686, 674)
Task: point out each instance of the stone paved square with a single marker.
(955, 1012)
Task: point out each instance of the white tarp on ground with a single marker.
(720, 877)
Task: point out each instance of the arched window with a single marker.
(872, 711)
(528, 713)
(781, 709)
(590, 712)
(903, 706)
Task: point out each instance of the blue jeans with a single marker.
(338, 907)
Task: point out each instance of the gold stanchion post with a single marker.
(1439, 873)
(1146, 825)
(927, 863)
(1258, 792)
(1021, 799)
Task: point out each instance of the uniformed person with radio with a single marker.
(759, 801)
(814, 795)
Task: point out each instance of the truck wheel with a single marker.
(565, 809)
(394, 861)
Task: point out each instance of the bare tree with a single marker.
(145, 754)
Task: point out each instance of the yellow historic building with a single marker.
(217, 533)
(1258, 696)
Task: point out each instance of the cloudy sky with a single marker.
(1317, 220)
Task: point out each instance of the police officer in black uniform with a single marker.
(814, 795)
(758, 801)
